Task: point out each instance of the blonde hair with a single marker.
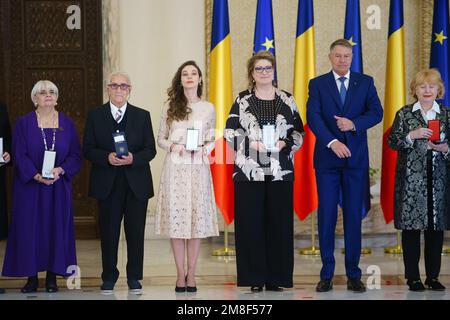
(432, 76)
(41, 85)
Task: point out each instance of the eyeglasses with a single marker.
(115, 86)
(47, 93)
(267, 69)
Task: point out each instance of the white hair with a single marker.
(120, 73)
(42, 85)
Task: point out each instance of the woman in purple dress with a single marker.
(41, 236)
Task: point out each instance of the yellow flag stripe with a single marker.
(220, 89)
(305, 69)
(395, 95)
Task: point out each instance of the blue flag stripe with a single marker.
(395, 16)
(306, 16)
(220, 23)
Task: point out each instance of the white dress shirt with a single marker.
(429, 115)
(338, 83)
(114, 109)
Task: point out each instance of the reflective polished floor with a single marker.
(216, 278)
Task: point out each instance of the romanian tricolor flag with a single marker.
(395, 97)
(221, 95)
(305, 190)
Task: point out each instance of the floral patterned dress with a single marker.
(186, 206)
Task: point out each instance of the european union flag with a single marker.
(352, 33)
(439, 45)
(264, 36)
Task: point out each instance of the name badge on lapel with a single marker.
(48, 164)
(192, 137)
(269, 138)
(120, 144)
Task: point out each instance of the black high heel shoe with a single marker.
(180, 289)
(50, 282)
(31, 285)
(190, 289)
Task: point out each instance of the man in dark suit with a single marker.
(5, 134)
(341, 106)
(122, 185)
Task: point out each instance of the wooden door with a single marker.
(60, 41)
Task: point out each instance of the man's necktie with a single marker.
(342, 90)
(118, 115)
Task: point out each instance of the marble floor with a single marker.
(217, 277)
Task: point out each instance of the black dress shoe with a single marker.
(50, 282)
(256, 289)
(107, 287)
(31, 285)
(434, 284)
(324, 285)
(415, 285)
(273, 288)
(355, 285)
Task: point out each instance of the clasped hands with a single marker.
(6, 157)
(57, 172)
(123, 161)
(260, 147)
(340, 149)
(181, 150)
(425, 133)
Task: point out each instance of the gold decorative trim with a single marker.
(425, 26)
(208, 31)
(111, 40)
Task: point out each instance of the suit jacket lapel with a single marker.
(130, 120)
(107, 116)
(353, 84)
(334, 90)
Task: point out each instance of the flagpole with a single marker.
(312, 250)
(396, 249)
(226, 251)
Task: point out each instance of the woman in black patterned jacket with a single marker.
(265, 130)
(422, 178)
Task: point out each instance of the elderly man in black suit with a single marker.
(121, 184)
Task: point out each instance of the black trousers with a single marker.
(434, 240)
(264, 233)
(122, 203)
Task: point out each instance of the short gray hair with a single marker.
(119, 73)
(41, 85)
(341, 42)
